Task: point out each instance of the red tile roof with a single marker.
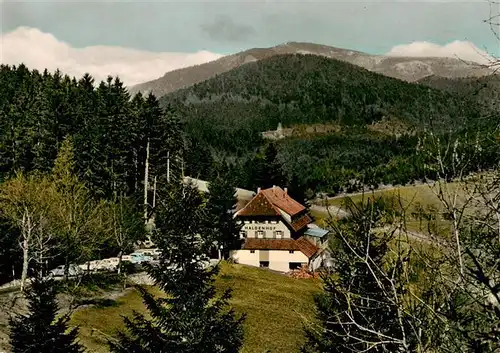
(270, 244)
(279, 198)
(301, 244)
(268, 202)
(301, 222)
(308, 248)
(259, 206)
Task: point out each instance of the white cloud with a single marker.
(39, 50)
(458, 49)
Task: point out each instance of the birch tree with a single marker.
(449, 161)
(127, 226)
(370, 301)
(27, 202)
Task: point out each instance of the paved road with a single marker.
(330, 210)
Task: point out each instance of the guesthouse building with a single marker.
(277, 233)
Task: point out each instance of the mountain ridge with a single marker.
(409, 69)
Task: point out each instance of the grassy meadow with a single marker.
(275, 306)
(414, 200)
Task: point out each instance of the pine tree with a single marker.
(90, 151)
(221, 207)
(114, 113)
(191, 318)
(40, 331)
(267, 169)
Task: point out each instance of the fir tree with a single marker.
(191, 318)
(221, 207)
(40, 331)
(268, 170)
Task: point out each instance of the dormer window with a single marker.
(260, 234)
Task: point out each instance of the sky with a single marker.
(141, 40)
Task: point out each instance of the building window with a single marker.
(290, 251)
(252, 251)
(243, 234)
(264, 264)
(260, 234)
(279, 234)
(294, 265)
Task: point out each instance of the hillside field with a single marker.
(412, 198)
(275, 305)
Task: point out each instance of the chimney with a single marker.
(258, 190)
(286, 192)
(274, 189)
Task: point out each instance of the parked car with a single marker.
(139, 257)
(110, 264)
(154, 253)
(91, 266)
(73, 270)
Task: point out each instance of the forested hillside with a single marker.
(110, 131)
(237, 106)
(405, 68)
(224, 117)
(485, 90)
(107, 136)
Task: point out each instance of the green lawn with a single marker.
(275, 306)
(412, 194)
(320, 218)
(411, 198)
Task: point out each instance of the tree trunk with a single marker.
(168, 167)
(24, 273)
(154, 194)
(146, 187)
(41, 263)
(456, 233)
(26, 232)
(120, 255)
(66, 268)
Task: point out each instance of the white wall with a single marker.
(286, 216)
(268, 229)
(244, 257)
(278, 259)
(324, 258)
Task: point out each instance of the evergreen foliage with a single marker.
(109, 130)
(41, 331)
(221, 207)
(191, 317)
(376, 121)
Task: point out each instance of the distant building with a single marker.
(277, 134)
(278, 233)
(242, 195)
